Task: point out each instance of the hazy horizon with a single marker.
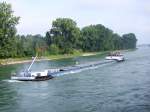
(120, 16)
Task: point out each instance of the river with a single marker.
(113, 87)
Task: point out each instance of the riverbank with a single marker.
(11, 61)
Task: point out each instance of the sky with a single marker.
(122, 16)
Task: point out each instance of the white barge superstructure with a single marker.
(28, 75)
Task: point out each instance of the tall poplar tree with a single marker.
(8, 31)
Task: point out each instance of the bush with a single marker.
(54, 49)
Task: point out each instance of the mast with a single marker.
(31, 63)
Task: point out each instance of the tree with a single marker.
(39, 44)
(129, 41)
(89, 38)
(117, 41)
(65, 34)
(64, 37)
(31, 45)
(54, 49)
(96, 38)
(8, 30)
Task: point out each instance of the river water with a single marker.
(113, 87)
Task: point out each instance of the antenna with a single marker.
(31, 63)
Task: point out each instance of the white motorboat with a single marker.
(115, 56)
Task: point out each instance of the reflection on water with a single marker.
(115, 87)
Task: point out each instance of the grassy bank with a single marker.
(10, 61)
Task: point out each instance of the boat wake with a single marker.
(11, 81)
(76, 71)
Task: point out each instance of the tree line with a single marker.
(64, 37)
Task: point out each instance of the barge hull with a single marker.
(39, 78)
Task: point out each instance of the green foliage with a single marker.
(68, 38)
(97, 38)
(77, 52)
(54, 49)
(65, 34)
(100, 38)
(31, 45)
(63, 38)
(7, 31)
(129, 41)
(117, 42)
